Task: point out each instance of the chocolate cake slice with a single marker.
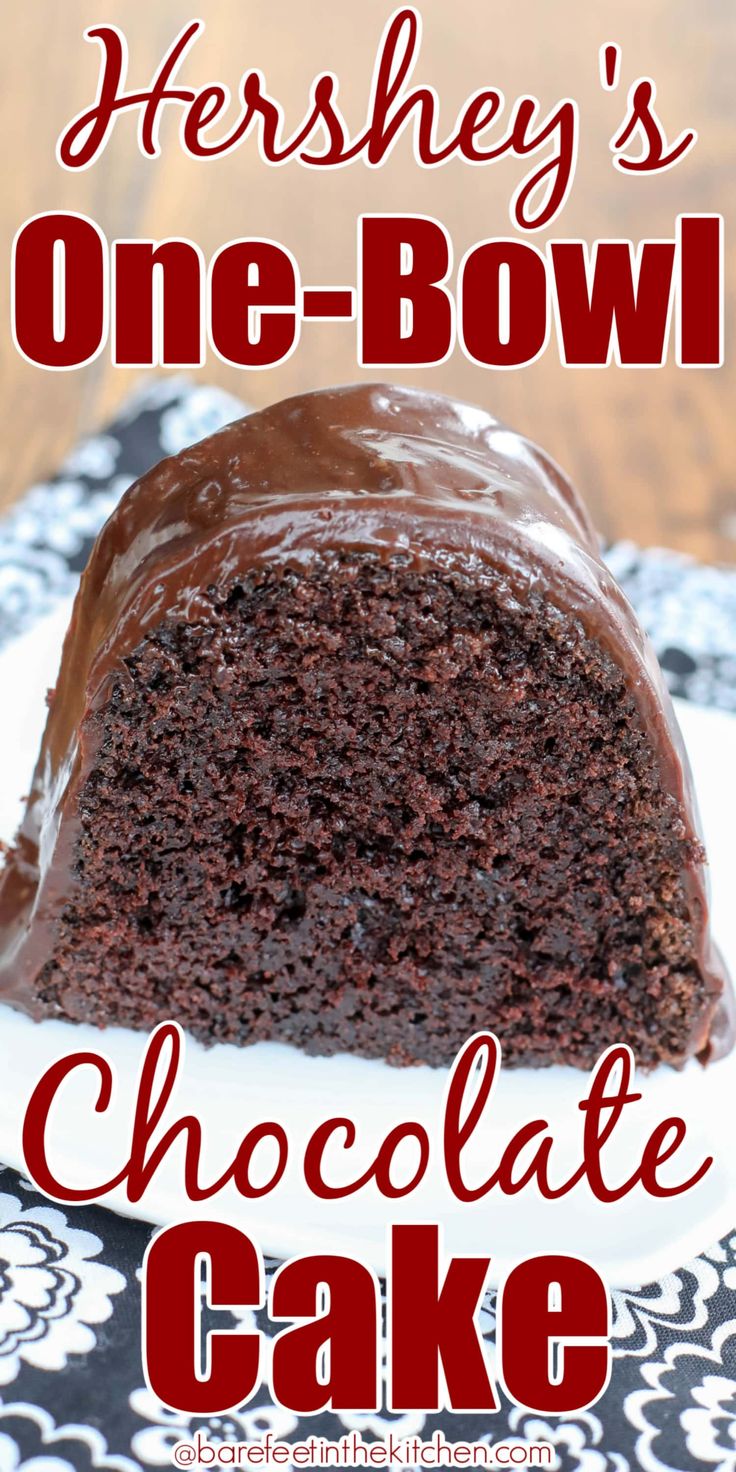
(357, 745)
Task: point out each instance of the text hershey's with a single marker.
(157, 302)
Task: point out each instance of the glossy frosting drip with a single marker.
(365, 468)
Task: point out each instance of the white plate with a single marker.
(632, 1241)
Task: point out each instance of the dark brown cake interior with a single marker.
(364, 807)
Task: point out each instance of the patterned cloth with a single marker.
(72, 1392)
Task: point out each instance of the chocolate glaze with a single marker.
(369, 467)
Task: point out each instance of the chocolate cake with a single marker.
(357, 745)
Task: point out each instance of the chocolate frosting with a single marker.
(369, 467)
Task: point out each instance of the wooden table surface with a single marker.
(653, 450)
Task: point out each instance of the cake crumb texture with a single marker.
(365, 807)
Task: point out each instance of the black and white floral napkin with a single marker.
(72, 1392)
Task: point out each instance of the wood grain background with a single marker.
(653, 451)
